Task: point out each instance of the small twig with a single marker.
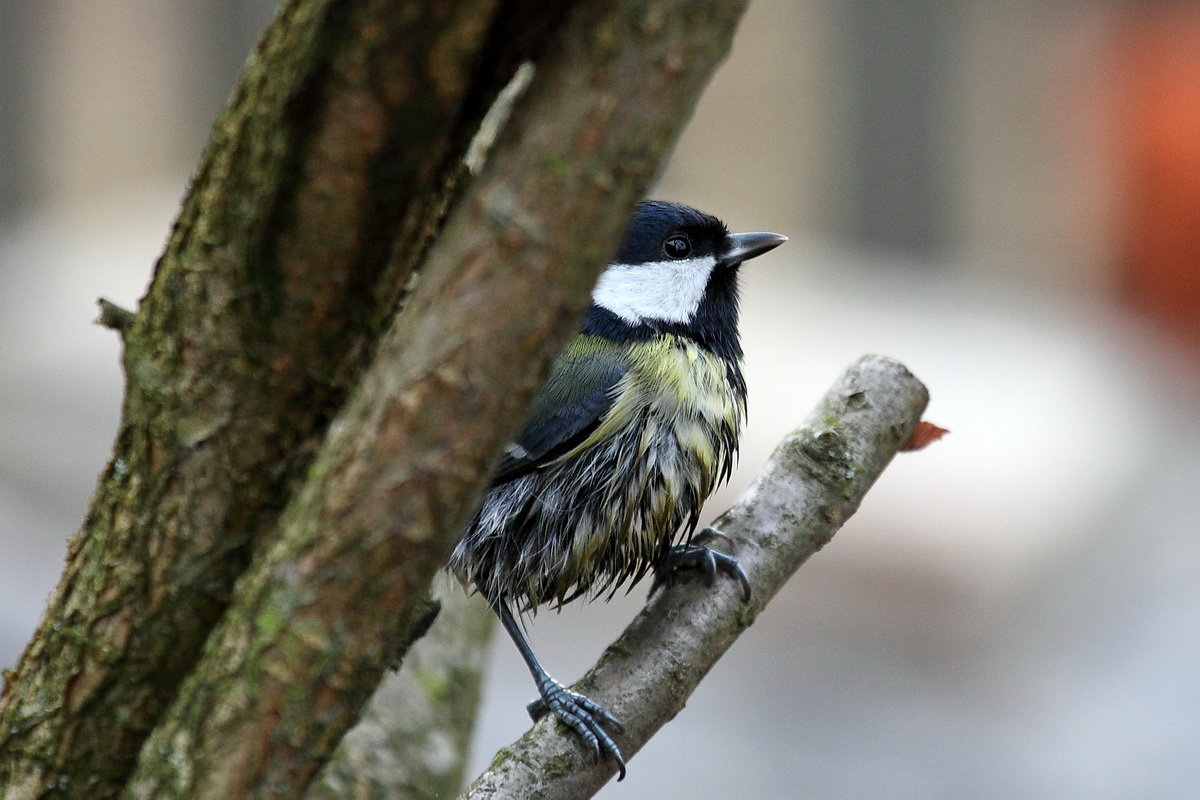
(114, 316)
(812, 484)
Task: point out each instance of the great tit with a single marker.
(636, 425)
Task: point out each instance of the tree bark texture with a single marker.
(308, 224)
(811, 485)
(412, 741)
(340, 592)
(323, 181)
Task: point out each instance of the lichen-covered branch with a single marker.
(340, 590)
(811, 485)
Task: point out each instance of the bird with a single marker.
(636, 425)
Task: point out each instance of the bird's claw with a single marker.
(693, 555)
(710, 533)
(582, 715)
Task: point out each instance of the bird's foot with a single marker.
(582, 715)
(693, 555)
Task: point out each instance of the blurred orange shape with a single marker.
(925, 433)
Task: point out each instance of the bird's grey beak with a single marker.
(743, 246)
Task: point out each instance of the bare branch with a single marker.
(809, 488)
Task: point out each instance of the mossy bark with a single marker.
(323, 182)
(280, 432)
(339, 591)
(413, 738)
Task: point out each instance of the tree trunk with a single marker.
(331, 195)
(412, 741)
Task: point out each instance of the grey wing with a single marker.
(568, 407)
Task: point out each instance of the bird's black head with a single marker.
(676, 272)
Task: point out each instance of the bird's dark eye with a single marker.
(677, 246)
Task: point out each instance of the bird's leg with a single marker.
(577, 712)
(692, 555)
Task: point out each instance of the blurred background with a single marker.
(1003, 195)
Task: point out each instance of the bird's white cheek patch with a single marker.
(666, 290)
